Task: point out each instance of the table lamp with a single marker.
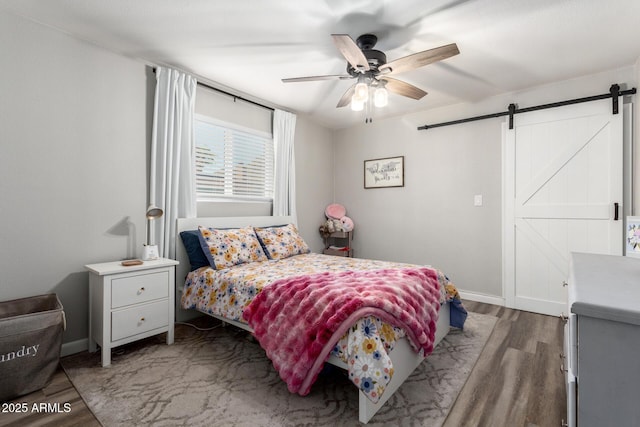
(150, 251)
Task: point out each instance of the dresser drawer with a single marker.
(139, 319)
(139, 288)
(572, 402)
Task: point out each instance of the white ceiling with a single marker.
(249, 45)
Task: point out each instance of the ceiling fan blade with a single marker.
(346, 97)
(403, 88)
(317, 78)
(350, 50)
(420, 59)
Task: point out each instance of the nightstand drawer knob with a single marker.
(142, 319)
(141, 290)
(564, 283)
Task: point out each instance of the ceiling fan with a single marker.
(372, 70)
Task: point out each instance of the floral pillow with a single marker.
(229, 247)
(282, 242)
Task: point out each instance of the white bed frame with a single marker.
(404, 359)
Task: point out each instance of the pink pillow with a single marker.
(347, 223)
(335, 211)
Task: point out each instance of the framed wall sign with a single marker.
(387, 172)
(632, 236)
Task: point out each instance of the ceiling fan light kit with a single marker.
(361, 91)
(372, 70)
(381, 96)
(357, 105)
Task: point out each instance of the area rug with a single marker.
(223, 378)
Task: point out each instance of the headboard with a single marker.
(183, 224)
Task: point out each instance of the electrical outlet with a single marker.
(477, 200)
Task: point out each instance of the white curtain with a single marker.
(172, 178)
(284, 197)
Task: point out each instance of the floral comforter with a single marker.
(364, 348)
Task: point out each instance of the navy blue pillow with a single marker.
(191, 241)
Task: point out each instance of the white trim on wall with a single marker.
(487, 299)
(74, 347)
(505, 210)
(629, 152)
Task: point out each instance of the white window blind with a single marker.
(232, 162)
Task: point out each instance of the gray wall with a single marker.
(75, 130)
(314, 178)
(74, 126)
(432, 220)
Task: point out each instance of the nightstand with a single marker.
(130, 303)
(338, 243)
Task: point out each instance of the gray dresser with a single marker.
(602, 341)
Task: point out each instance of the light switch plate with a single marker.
(477, 200)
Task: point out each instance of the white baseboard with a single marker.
(74, 347)
(487, 299)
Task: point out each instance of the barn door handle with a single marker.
(616, 208)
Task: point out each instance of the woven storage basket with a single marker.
(30, 341)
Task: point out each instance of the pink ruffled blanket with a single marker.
(298, 320)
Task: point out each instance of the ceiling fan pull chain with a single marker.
(368, 107)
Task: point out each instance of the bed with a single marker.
(403, 358)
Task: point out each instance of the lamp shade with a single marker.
(154, 212)
(357, 105)
(381, 97)
(361, 91)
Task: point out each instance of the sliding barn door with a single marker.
(562, 179)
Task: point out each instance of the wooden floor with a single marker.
(516, 381)
(59, 391)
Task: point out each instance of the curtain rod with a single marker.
(614, 93)
(234, 96)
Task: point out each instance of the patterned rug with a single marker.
(223, 378)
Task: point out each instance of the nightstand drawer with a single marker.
(140, 288)
(139, 319)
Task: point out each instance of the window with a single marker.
(232, 162)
